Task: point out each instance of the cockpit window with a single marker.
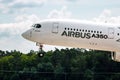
(37, 25)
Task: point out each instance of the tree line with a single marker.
(64, 64)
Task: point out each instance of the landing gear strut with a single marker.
(113, 55)
(40, 52)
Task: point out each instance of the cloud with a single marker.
(10, 34)
(4, 8)
(26, 3)
(6, 1)
(9, 6)
(16, 43)
(106, 16)
(12, 29)
(26, 17)
(23, 23)
(63, 13)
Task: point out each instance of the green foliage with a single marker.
(89, 75)
(15, 76)
(63, 64)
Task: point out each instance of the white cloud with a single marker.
(24, 10)
(106, 16)
(63, 13)
(25, 3)
(16, 43)
(28, 1)
(13, 5)
(106, 12)
(26, 17)
(4, 8)
(8, 6)
(1, 5)
(23, 23)
(10, 33)
(13, 29)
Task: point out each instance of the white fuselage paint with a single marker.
(75, 33)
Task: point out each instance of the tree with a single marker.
(56, 57)
(59, 72)
(2, 53)
(115, 76)
(88, 75)
(59, 64)
(15, 76)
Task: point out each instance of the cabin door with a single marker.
(111, 33)
(55, 27)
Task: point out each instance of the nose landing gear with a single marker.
(40, 52)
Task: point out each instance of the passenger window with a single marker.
(118, 34)
(88, 30)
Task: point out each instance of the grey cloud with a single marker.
(6, 1)
(26, 5)
(72, 0)
(4, 34)
(11, 6)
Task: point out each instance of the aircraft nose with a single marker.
(26, 35)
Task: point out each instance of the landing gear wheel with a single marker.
(40, 52)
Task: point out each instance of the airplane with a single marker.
(76, 33)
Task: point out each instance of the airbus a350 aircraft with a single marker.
(75, 33)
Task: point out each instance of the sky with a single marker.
(17, 16)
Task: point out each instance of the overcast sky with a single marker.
(16, 16)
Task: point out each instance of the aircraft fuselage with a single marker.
(79, 34)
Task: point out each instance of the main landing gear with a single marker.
(113, 56)
(40, 52)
